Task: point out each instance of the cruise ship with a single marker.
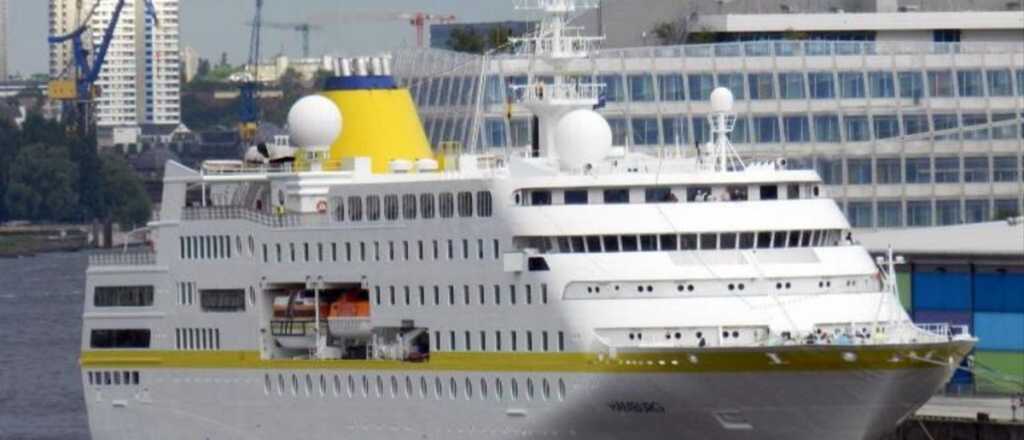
(367, 286)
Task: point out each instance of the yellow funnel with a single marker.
(379, 122)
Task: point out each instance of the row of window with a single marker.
(918, 213)
(468, 295)
(853, 84)
(119, 338)
(205, 247)
(664, 194)
(363, 251)
(123, 296)
(796, 128)
(112, 378)
(500, 341)
(409, 387)
(919, 170)
(197, 339)
(410, 206)
(683, 242)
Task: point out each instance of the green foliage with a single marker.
(669, 33)
(49, 175)
(43, 184)
(467, 39)
(124, 196)
(204, 68)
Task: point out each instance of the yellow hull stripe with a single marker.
(805, 359)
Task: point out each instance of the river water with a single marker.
(40, 333)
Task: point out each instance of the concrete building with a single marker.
(141, 81)
(913, 118)
(270, 72)
(65, 16)
(4, 74)
(440, 34)
(189, 63)
(968, 275)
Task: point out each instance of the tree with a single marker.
(498, 38)
(466, 39)
(670, 33)
(42, 185)
(204, 68)
(223, 59)
(124, 196)
(8, 149)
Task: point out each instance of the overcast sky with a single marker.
(215, 26)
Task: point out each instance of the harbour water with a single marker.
(40, 331)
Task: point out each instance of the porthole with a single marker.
(366, 387)
(515, 389)
(778, 286)
(616, 287)
(351, 386)
(453, 389)
(725, 335)
(546, 389)
(483, 389)
(668, 336)
(337, 386)
(680, 288)
(424, 388)
(742, 286)
(690, 287)
(735, 334)
(438, 388)
(323, 385)
(631, 336)
(650, 288)
(561, 389)
(700, 335)
(408, 387)
(394, 386)
(380, 386)
(678, 335)
(469, 389)
(788, 285)
(640, 289)
(499, 389)
(529, 389)
(732, 287)
(280, 383)
(589, 290)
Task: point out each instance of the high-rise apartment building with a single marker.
(140, 83)
(65, 16)
(3, 40)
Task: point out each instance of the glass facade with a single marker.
(889, 119)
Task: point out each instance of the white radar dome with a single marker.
(722, 100)
(582, 137)
(314, 121)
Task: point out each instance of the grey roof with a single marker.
(1003, 238)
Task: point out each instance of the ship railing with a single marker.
(569, 46)
(578, 92)
(812, 48)
(273, 220)
(555, 5)
(122, 258)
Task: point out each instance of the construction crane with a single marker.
(305, 29)
(78, 90)
(249, 91)
(418, 20)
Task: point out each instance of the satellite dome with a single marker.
(582, 137)
(314, 121)
(722, 100)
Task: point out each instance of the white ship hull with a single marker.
(220, 404)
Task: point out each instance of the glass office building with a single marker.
(906, 134)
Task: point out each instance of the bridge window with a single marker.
(391, 207)
(576, 197)
(484, 204)
(373, 208)
(447, 205)
(409, 207)
(120, 338)
(427, 206)
(232, 300)
(465, 204)
(540, 198)
(616, 196)
(355, 209)
(123, 296)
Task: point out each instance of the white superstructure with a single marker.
(566, 290)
